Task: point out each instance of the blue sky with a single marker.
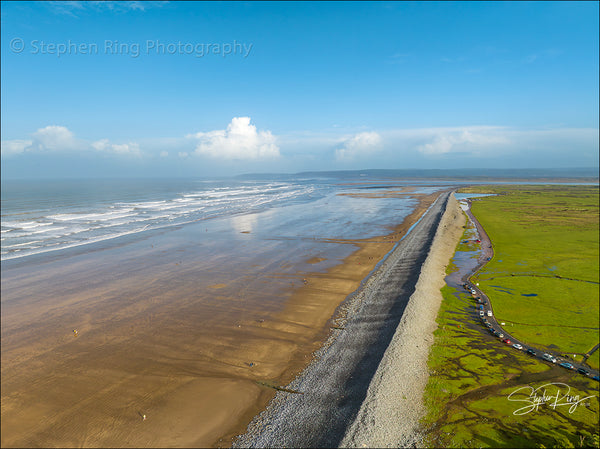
(205, 89)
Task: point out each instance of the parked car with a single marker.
(583, 371)
(489, 313)
(517, 346)
(507, 341)
(530, 351)
(567, 365)
(595, 377)
(549, 358)
(501, 336)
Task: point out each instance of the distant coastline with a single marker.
(575, 174)
(478, 174)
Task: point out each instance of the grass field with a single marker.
(473, 373)
(544, 277)
(472, 376)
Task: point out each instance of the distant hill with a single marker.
(537, 174)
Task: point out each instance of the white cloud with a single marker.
(332, 148)
(52, 138)
(461, 140)
(75, 8)
(240, 140)
(358, 145)
(130, 148)
(101, 145)
(10, 147)
(48, 139)
(126, 148)
(56, 139)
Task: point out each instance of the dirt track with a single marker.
(331, 391)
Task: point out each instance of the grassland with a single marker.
(544, 277)
(473, 373)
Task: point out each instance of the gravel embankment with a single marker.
(389, 416)
(357, 364)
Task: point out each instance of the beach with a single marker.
(154, 342)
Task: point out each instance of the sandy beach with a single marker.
(190, 337)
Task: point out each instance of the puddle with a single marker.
(465, 196)
(528, 294)
(465, 259)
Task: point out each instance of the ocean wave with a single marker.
(24, 224)
(74, 223)
(102, 216)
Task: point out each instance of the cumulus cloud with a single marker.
(240, 140)
(105, 145)
(48, 139)
(54, 139)
(358, 145)
(10, 147)
(462, 140)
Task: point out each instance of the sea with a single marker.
(41, 216)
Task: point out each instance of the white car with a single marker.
(517, 346)
(549, 358)
(489, 313)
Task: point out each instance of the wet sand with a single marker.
(190, 342)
